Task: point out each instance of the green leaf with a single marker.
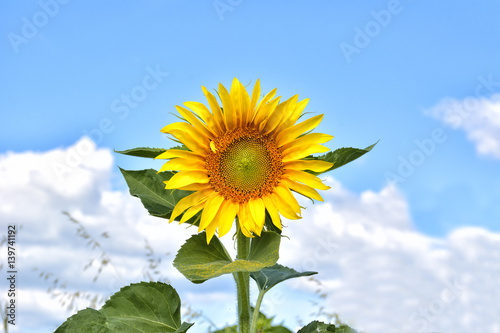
(87, 320)
(152, 307)
(148, 186)
(142, 152)
(199, 261)
(148, 152)
(184, 327)
(264, 325)
(271, 276)
(277, 329)
(342, 156)
(264, 250)
(320, 327)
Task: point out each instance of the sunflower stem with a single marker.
(243, 285)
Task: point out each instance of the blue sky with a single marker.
(69, 76)
(63, 81)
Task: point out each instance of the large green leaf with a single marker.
(152, 307)
(271, 276)
(148, 186)
(342, 156)
(142, 152)
(87, 320)
(264, 249)
(320, 327)
(199, 261)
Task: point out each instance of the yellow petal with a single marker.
(262, 103)
(189, 136)
(265, 111)
(247, 224)
(294, 116)
(245, 231)
(212, 147)
(192, 187)
(302, 189)
(305, 178)
(308, 139)
(280, 113)
(228, 212)
(253, 101)
(267, 97)
(258, 211)
(196, 146)
(189, 201)
(188, 177)
(283, 207)
(242, 227)
(313, 165)
(210, 229)
(246, 111)
(296, 153)
(236, 100)
(192, 211)
(211, 207)
(228, 108)
(216, 111)
(192, 131)
(272, 210)
(285, 193)
(293, 132)
(183, 164)
(202, 111)
(191, 143)
(173, 153)
(193, 120)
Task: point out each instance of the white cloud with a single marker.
(478, 117)
(382, 275)
(35, 189)
(379, 273)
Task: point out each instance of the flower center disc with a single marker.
(245, 165)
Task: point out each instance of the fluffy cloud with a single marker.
(35, 189)
(478, 117)
(383, 276)
(376, 270)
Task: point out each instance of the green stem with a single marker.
(243, 285)
(255, 316)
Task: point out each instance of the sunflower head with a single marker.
(243, 158)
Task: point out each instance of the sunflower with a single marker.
(243, 159)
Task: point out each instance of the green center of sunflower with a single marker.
(243, 164)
